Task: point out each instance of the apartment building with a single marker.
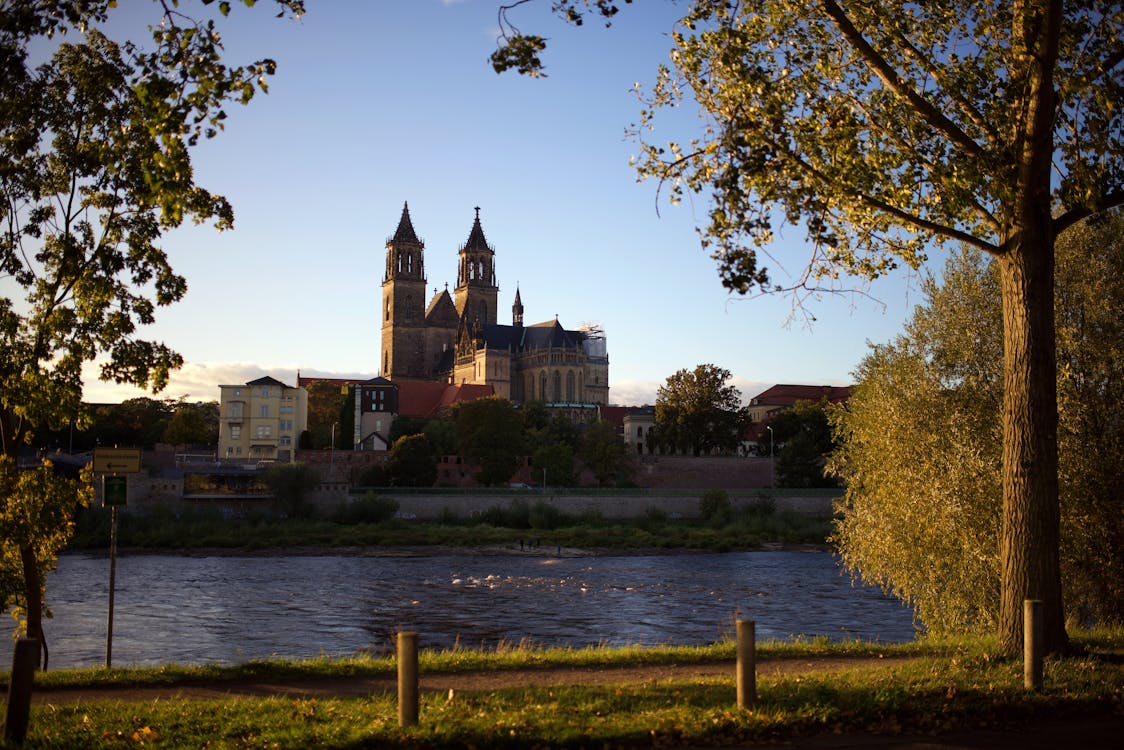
(261, 420)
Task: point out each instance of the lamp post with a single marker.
(332, 454)
(772, 465)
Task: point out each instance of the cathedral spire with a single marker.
(517, 310)
(405, 231)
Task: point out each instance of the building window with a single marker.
(236, 410)
(557, 386)
(542, 387)
(287, 409)
(285, 440)
(570, 387)
(237, 391)
(265, 391)
(286, 425)
(265, 431)
(236, 432)
(263, 411)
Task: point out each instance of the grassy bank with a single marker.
(946, 685)
(508, 525)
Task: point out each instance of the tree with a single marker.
(326, 402)
(139, 422)
(412, 462)
(489, 435)
(189, 425)
(803, 437)
(920, 444)
(697, 411)
(882, 128)
(36, 522)
(290, 485)
(94, 167)
(603, 452)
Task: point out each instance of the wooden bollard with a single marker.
(24, 661)
(407, 679)
(1033, 624)
(746, 668)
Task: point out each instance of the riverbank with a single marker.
(860, 695)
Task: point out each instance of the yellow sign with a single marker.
(117, 460)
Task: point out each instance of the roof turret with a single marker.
(405, 231)
(477, 243)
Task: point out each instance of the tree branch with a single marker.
(886, 73)
(1074, 215)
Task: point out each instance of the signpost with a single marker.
(115, 494)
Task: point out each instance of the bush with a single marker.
(368, 509)
(715, 506)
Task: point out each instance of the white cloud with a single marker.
(200, 381)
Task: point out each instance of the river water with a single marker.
(198, 609)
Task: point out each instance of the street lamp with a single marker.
(772, 465)
(332, 454)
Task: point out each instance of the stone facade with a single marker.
(458, 339)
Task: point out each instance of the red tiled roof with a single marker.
(787, 395)
(305, 382)
(424, 398)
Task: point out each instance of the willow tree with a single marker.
(94, 167)
(884, 129)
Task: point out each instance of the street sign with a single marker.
(114, 491)
(116, 460)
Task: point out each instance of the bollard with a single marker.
(24, 661)
(746, 664)
(1033, 624)
(407, 679)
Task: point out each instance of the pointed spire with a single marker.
(405, 231)
(517, 310)
(476, 241)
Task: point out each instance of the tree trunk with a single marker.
(1029, 536)
(33, 590)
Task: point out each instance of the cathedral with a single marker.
(460, 340)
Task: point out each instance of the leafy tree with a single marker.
(489, 435)
(553, 464)
(327, 405)
(189, 425)
(290, 485)
(803, 440)
(604, 452)
(442, 435)
(882, 128)
(36, 522)
(697, 411)
(412, 462)
(403, 426)
(94, 167)
(921, 449)
(139, 422)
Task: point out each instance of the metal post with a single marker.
(24, 660)
(1033, 627)
(407, 679)
(746, 664)
(112, 589)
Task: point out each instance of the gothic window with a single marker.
(483, 311)
(557, 386)
(570, 387)
(386, 363)
(542, 387)
(387, 314)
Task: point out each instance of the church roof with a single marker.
(538, 336)
(476, 241)
(405, 232)
(784, 394)
(441, 309)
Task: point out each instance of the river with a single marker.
(230, 608)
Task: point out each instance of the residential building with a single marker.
(783, 396)
(261, 420)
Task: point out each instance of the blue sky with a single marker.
(377, 103)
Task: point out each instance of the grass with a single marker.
(946, 685)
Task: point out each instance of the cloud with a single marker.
(200, 381)
(633, 392)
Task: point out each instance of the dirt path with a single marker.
(444, 681)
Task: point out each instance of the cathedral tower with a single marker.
(476, 292)
(403, 303)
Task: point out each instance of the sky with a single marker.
(379, 103)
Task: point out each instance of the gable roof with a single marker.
(267, 381)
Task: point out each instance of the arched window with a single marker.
(530, 387)
(570, 386)
(542, 387)
(387, 317)
(557, 386)
(385, 363)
